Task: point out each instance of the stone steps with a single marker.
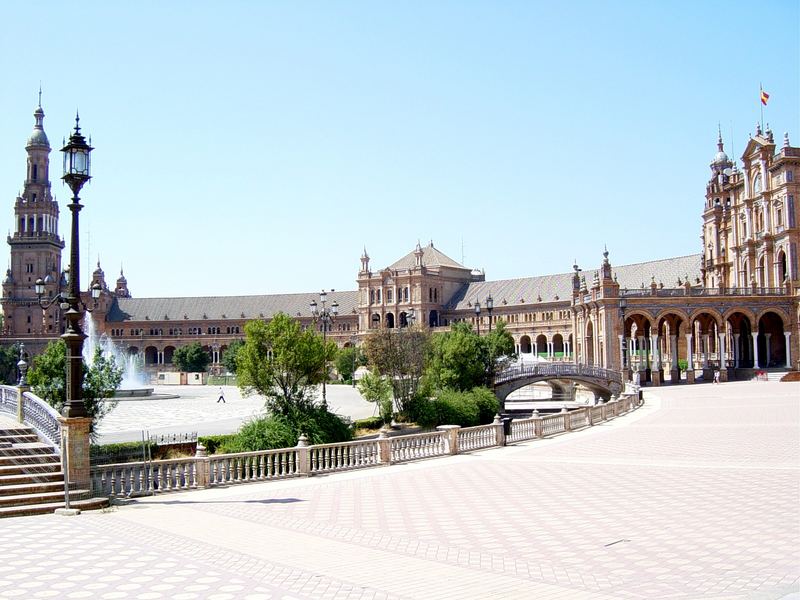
(48, 507)
(31, 479)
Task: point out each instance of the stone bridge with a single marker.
(562, 377)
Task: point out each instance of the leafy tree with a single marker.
(230, 355)
(348, 360)
(500, 345)
(9, 356)
(461, 360)
(284, 363)
(48, 379)
(399, 354)
(376, 388)
(457, 359)
(191, 358)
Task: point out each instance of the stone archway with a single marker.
(588, 346)
(541, 346)
(525, 345)
(771, 341)
(741, 340)
(558, 346)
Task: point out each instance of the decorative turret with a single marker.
(721, 160)
(99, 276)
(365, 261)
(418, 254)
(121, 291)
(576, 278)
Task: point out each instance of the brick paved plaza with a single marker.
(695, 495)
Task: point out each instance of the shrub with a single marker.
(478, 406)
(370, 423)
(487, 402)
(283, 431)
(213, 442)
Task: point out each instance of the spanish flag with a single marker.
(764, 97)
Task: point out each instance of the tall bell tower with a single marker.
(35, 245)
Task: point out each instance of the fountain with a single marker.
(133, 383)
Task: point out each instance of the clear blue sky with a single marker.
(257, 147)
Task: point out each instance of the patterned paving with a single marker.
(693, 496)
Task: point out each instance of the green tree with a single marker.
(48, 379)
(461, 360)
(399, 354)
(457, 359)
(231, 354)
(191, 358)
(500, 349)
(348, 360)
(9, 356)
(376, 388)
(284, 363)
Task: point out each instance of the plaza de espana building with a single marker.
(733, 306)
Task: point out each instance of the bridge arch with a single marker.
(604, 383)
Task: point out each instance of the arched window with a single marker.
(35, 172)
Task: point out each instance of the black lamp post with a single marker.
(489, 309)
(478, 315)
(326, 316)
(76, 174)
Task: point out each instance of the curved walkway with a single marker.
(694, 495)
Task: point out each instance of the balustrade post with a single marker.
(21, 389)
(203, 466)
(75, 436)
(499, 434)
(589, 419)
(302, 456)
(565, 415)
(384, 447)
(452, 436)
(537, 426)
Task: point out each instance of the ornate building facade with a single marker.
(733, 306)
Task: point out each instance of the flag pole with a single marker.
(761, 104)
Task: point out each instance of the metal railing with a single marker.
(556, 370)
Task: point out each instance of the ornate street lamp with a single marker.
(489, 309)
(325, 315)
(478, 315)
(76, 174)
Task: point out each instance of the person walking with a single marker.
(221, 397)
(716, 375)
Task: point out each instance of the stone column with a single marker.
(75, 443)
(674, 372)
(754, 341)
(768, 347)
(499, 434)
(302, 456)
(736, 350)
(621, 351)
(787, 335)
(689, 359)
(203, 465)
(452, 436)
(706, 349)
(384, 447)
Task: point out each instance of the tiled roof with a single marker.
(431, 257)
(559, 287)
(233, 307)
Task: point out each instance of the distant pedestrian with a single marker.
(716, 375)
(221, 397)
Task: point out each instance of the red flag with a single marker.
(764, 97)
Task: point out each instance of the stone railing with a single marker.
(33, 412)
(202, 471)
(566, 369)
